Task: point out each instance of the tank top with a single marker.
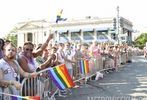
(10, 74)
(31, 63)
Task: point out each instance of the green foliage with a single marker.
(141, 40)
(12, 38)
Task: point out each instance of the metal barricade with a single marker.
(45, 88)
(129, 56)
(123, 57)
(4, 95)
(96, 64)
(41, 85)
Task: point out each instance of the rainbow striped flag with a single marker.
(13, 97)
(61, 77)
(84, 66)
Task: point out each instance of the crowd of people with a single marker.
(24, 62)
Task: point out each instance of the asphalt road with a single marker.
(130, 81)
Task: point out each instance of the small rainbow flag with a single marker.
(84, 66)
(61, 77)
(25, 97)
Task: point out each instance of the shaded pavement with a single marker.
(131, 80)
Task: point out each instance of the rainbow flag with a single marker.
(61, 77)
(25, 97)
(59, 16)
(84, 66)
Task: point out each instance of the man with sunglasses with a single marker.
(26, 57)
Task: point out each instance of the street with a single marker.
(130, 81)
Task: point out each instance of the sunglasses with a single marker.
(27, 49)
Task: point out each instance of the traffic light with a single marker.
(114, 23)
(114, 36)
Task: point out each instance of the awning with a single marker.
(105, 38)
(74, 30)
(101, 29)
(61, 31)
(87, 29)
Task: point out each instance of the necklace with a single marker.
(12, 65)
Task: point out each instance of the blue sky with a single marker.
(14, 11)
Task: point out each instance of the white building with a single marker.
(83, 30)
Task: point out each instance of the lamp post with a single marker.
(117, 24)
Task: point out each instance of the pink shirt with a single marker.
(95, 51)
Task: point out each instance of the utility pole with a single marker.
(117, 24)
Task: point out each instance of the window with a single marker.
(102, 37)
(75, 36)
(29, 37)
(100, 34)
(63, 35)
(88, 35)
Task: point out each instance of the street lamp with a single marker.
(117, 23)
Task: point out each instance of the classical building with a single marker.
(76, 30)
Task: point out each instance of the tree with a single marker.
(12, 37)
(141, 40)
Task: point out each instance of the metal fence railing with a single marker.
(43, 86)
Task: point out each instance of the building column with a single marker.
(95, 34)
(69, 35)
(109, 33)
(25, 37)
(57, 34)
(82, 35)
(20, 40)
(33, 36)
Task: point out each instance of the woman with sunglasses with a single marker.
(26, 57)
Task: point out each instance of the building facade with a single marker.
(79, 30)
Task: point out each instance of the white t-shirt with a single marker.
(69, 55)
(60, 56)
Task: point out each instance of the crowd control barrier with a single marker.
(41, 85)
(85, 69)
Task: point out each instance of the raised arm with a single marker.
(46, 63)
(36, 53)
